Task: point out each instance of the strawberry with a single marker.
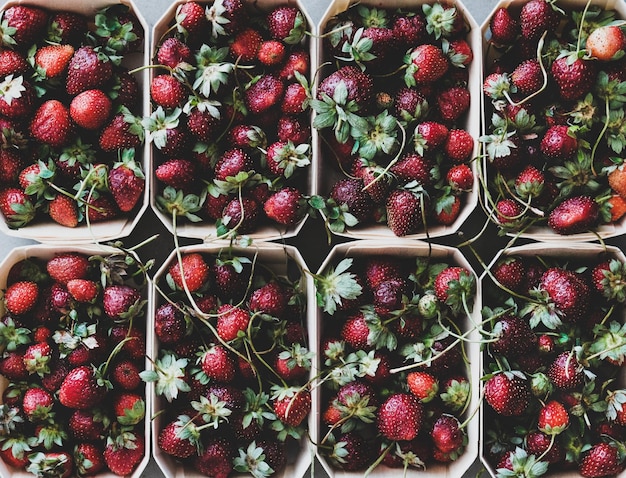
(129, 408)
(399, 417)
(460, 177)
(29, 23)
(565, 372)
(536, 17)
(53, 60)
(617, 180)
(527, 77)
(295, 99)
(218, 364)
(101, 209)
(297, 61)
(504, 29)
(568, 291)
(409, 104)
(83, 290)
(514, 337)
(286, 24)
(167, 91)
(507, 394)
(558, 143)
(17, 97)
(605, 42)
(509, 272)
(20, 297)
(430, 135)
(447, 434)
(90, 109)
(37, 404)
(404, 212)
(122, 458)
(246, 44)
(178, 173)
(553, 418)
(453, 103)
(574, 215)
(66, 27)
(538, 443)
(126, 182)
(291, 405)
(271, 52)
(122, 302)
(63, 210)
(284, 206)
(123, 131)
(264, 94)
(413, 167)
(80, 389)
(190, 18)
(241, 215)
(216, 458)
(37, 358)
(89, 68)
(358, 84)
(459, 145)
(349, 192)
(423, 385)
(231, 322)
(174, 53)
(12, 63)
(231, 163)
(602, 459)
(177, 439)
(52, 124)
(426, 64)
(508, 211)
(88, 459)
(203, 124)
(573, 79)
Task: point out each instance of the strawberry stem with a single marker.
(580, 27)
(544, 73)
(607, 112)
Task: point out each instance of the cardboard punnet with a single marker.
(206, 228)
(47, 251)
(282, 260)
(544, 233)
(410, 250)
(564, 252)
(326, 168)
(49, 231)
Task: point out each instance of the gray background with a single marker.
(149, 224)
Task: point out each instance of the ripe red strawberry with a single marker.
(568, 291)
(88, 458)
(602, 459)
(404, 212)
(459, 145)
(231, 321)
(453, 103)
(460, 177)
(202, 124)
(101, 209)
(400, 416)
(174, 53)
(232, 162)
(122, 302)
(29, 23)
(12, 366)
(297, 61)
(426, 64)
(553, 418)
(355, 332)
(527, 77)
(605, 42)
(271, 52)
(295, 99)
(52, 60)
(174, 440)
(573, 79)
(565, 371)
(504, 28)
(37, 358)
(536, 17)
(170, 325)
(271, 298)
(90, 109)
(509, 272)
(190, 18)
(558, 143)
(538, 443)
(284, 206)
(217, 458)
(37, 404)
(89, 68)
(83, 290)
(447, 434)
(574, 215)
(21, 297)
(508, 394)
(350, 193)
(429, 135)
(125, 375)
(52, 124)
(264, 94)
(508, 211)
(291, 405)
(126, 183)
(63, 210)
(129, 408)
(67, 27)
(246, 45)
(358, 84)
(167, 91)
(122, 459)
(423, 385)
(12, 63)
(530, 182)
(514, 337)
(80, 389)
(218, 364)
(286, 24)
(123, 131)
(413, 167)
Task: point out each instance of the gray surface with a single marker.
(152, 11)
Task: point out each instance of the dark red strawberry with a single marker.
(459, 145)
(507, 393)
(246, 45)
(13, 63)
(574, 79)
(126, 182)
(265, 93)
(413, 167)
(21, 297)
(509, 272)
(125, 374)
(291, 405)
(559, 143)
(232, 322)
(404, 212)
(80, 389)
(565, 372)
(216, 458)
(284, 206)
(218, 364)
(29, 23)
(574, 215)
(602, 459)
(447, 434)
(426, 64)
(123, 131)
(122, 302)
(191, 19)
(89, 68)
(17, 97)
(174, 53)
(178, 173)
(286, 24)
(460, 177)
(167, 91)
(241, 214)
(514, 337)
(66, 27)
(358, 84)
(297, 61)
(453, 103)
(52, 124)
(232, 162)
(122, 456)
(504, 28)
(536, 17)
(349, 192)
(399, 417)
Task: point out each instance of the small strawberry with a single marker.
(574, 215)
(558, 143)
(63, 210)
(527, 77)
(529, 183)
(573, 79)
(459, 145)
(284, 206)
(507, 393)
(167, 91)
(286, 24)
(12, 63)
(271, 52)
(264, 93)
(565, 371)
(423, 385)
(178, 438)
(297, 61)
(453, 103)
(174, 53)
(123, 131)
(232, 322)
(602, 459)
(426, 64)
(605, 42)
(126, 182)
(90, 109)
(460, 177)
(122, 454)
(66, 27)
(218, 364)
(37, 358)
(88, 458)
(17, 97)
(37, 404)
(553, 418)
(241, 214)
(400, 416)
(193, 268)
(504, 28)
(89, 68)
(51, 61)
(447, 434)
(404, 212)
(52, 124)
(291, 405)
(83, 290)
(80, 389)
(21, 297)
(190, 19)
(246, 44)
(536, 17)
(121, 303)
(125, 374)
